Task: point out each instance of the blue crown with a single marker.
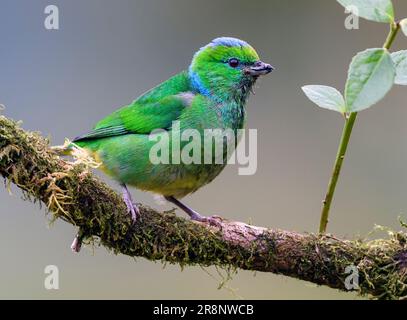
(229, 42)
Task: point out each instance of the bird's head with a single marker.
(226, 68)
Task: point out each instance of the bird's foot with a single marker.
(195, 216)
(132, 207)
(211, 220)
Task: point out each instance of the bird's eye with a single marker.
(233, 62)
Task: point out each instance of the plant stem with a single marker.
(394, 29)
(343, 146)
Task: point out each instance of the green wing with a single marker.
(156, 109)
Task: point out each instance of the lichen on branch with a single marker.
(72, 193)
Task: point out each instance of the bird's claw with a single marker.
(212, 220)
(132, 209)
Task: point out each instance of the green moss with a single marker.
(72, 194)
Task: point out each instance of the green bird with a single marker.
(211, 94)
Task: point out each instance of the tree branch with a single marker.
(73, 194)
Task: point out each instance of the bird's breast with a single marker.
(233, 115)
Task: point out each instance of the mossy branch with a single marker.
(73, 194)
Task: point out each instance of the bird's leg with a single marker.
(191, 212)
(131, 206)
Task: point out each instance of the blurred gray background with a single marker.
(106, 53)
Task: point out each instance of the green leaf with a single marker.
(400, 63)
(374, 10)
(403, 25)
(325, 97)
(370, 77)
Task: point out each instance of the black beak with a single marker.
(259, 69)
